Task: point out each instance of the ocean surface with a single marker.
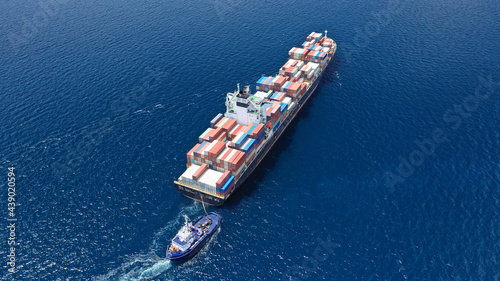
(391, 171)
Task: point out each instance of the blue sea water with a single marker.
(390, 172)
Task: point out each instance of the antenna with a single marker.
(326, 31)
(238, 87)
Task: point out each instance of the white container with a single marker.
(260, 94)
(287, 100)
(297, 75)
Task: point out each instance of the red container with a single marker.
(216, 149)
(191, 152)
(229, 125)
(238, 161)
(218, 132)
(289, 70)
(222, 137)
(223, 179)
(278, 83)
(257, 131)
(224, 156)
(238, 128)
(200, 172)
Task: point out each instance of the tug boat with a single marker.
(192, 237)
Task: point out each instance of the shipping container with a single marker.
(247, 146)
(278, 83)
(222, 137)
(261, 94)
(226, 124)
(200, 172)
(223, 179)
(239, 139)
(215, 120)
(289, 63)
(225, 187)
(257, 131)
(236, 130)
(278, 96)
(283, 107)
(287, 100)
(202, 136)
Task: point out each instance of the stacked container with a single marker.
(264, 83)
(247, 145)
(226, 124)
(236, 130)
(298, 53)
(202, 177)
(216, 120)
(213, 150)
(256, 131)
(200, 153)
(289, 63)
(210, 134)
(238, 141)
(190, 155)
(222, 137)
(278, 96)
(305, 71)
(273, 114)
(328, 43)
(198, 173)
(278, 83)
(231, 159)
(260, 94)
(316, 56)
(315, 70)
(226, 186)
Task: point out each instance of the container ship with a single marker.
(236, 142)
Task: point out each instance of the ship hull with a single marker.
(218, 201)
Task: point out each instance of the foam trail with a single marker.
(151, 265)
(157, 269)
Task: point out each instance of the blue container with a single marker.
(261, 81)
(287, 84)
(200, 147)
(228, 183)
(248, 145)
(251, 129)
(260, 137)
(283, 107)
(241, 140)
